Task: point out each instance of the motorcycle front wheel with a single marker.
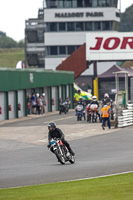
(60, 158)
(72, 160)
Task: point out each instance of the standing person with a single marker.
(38, 103)
(105, 116)
(33, 103)
(57, 133)
(43, 102)
(28, 104)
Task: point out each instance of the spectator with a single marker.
(28, 104)
(43, 102)
(38, 104)
(33, 103)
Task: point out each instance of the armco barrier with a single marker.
(127, 117)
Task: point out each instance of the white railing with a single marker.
(127, 117)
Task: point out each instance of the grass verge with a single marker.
(10, 57)
(117, 187)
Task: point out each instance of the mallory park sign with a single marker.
(79, 14)
(111, 46)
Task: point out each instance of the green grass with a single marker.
(10, 57)
(119, 187)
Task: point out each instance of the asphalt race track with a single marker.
(25, 159)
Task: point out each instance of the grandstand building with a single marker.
(61, 28)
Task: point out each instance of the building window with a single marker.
(79, 26)
(88, 26)
(74, 3)
(53, 50)
(62, 26)
(71, 49)
(51, 4)
(62, 50)
(108, 3)
(53, 27)
(115, 3)
(102, 3)
(88, 3)
(70, 26)
(95, 3)
(97, 26)
(80, 3)
(68, 4)
(61, 4)
(105, 26)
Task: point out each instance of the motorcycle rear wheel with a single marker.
(60, 158)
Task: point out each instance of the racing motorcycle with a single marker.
(60, 150)
(88, 113)
(80, 112)
(94, 112)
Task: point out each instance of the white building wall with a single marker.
(21, 101)
(59, 38)
(2, 106)
(12, 103)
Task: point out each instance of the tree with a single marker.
(126, 23)
(2, 33)
(6, 42)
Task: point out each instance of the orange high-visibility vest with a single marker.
(105, 111)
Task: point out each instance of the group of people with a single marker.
(106, 108)
(36, 103)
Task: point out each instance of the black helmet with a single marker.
(52, 124)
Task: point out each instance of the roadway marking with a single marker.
(128, 172)
(44, 140)
(59, 119)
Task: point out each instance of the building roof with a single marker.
(115, 68)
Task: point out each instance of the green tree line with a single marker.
(7, 42)
(126, 21)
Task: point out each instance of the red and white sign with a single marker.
(115, 46)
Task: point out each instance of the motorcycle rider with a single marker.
(94, 101)
(57, 133)
(106, 100)
(81, 102)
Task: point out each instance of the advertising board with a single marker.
(109, 46)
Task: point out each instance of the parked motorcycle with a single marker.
(60, 150)
(64, 107)
(80, 112)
